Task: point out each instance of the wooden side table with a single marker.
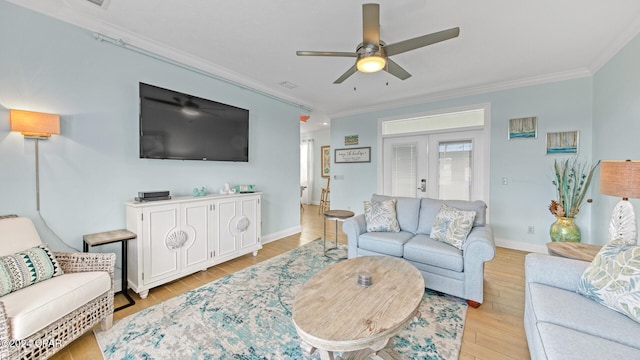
(109, 237)
(571, 250)
(337, 215)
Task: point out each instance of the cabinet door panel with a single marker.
(249, 235)
(160, 223)
(195, 223)
(227, 215)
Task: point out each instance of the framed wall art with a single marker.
(325, 161)
(353, 155)
(563, 142)
(523, 128)
(351, 140)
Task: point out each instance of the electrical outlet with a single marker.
(530, 230)
(505, 181)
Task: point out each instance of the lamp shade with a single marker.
(35, 124)
(370, 63)
(620, 178)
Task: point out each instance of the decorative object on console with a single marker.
(227, 189)
(199, 192)
(571, 179)
(621, 179)
(244, 188)
(37, 126)
(153, 195)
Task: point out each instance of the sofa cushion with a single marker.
(17, 234)
(429, 208)
(28, 311)
(571, 310)
(562, 343)
(452, 225)
(407, 210)
(381, 216)
(425, 250)
(384, 242)
(613, 278)
(26, 268)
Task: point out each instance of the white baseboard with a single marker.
(281, 234)
(516, 245)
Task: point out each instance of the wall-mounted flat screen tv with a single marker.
(178, 126)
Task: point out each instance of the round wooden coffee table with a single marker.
(332, 312)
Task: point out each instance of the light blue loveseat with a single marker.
(444, 267)
(561, 324)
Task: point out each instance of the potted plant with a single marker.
(571, 179)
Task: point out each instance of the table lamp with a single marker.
(621, 178)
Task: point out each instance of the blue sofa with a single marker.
(564, 325)
(444, 267)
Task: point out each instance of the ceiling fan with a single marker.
(187, 106)
(373, 54)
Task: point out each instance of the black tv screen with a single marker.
(178, 126)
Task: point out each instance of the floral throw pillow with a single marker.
(452, 225)
(381, 216)
(27, 268)
(613, 278)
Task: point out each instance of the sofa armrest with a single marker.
(353, 227)
(554, 271)
(478, 249)
(85, 262)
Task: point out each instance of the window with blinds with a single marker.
(403, 168)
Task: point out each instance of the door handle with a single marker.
(423, 186)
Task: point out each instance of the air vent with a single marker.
(96, 2)
(288, 85)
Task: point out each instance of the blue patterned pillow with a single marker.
(452, 226)
(26, 268)
(381, 216)
(613, 278)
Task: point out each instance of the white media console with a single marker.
(184, 235)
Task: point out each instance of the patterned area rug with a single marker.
(247, 315)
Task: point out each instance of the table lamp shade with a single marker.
(37, 124)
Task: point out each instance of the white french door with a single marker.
(444, 166)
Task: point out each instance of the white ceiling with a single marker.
(502, 43)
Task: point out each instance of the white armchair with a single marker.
(37, 321)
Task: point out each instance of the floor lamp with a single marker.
(37, 126)
(621, 179)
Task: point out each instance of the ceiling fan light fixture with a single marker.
(371, 64)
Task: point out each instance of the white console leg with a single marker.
(255, 253)
(143, 294)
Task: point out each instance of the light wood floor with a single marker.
(493, 331)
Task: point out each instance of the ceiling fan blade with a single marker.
(371, 24)
(421, 41)
(164, 101)
(396, 70)
(344, 76)
(326, 53)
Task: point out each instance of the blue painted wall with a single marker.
(92, 168)
(616, 128)
(560, 106)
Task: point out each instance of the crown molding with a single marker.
(482, 89)
(118, 36)
(615, 46)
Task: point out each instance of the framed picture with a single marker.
(353, 155)
(563, 142)
(351, 140)
(325, 161)
(523, 128)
